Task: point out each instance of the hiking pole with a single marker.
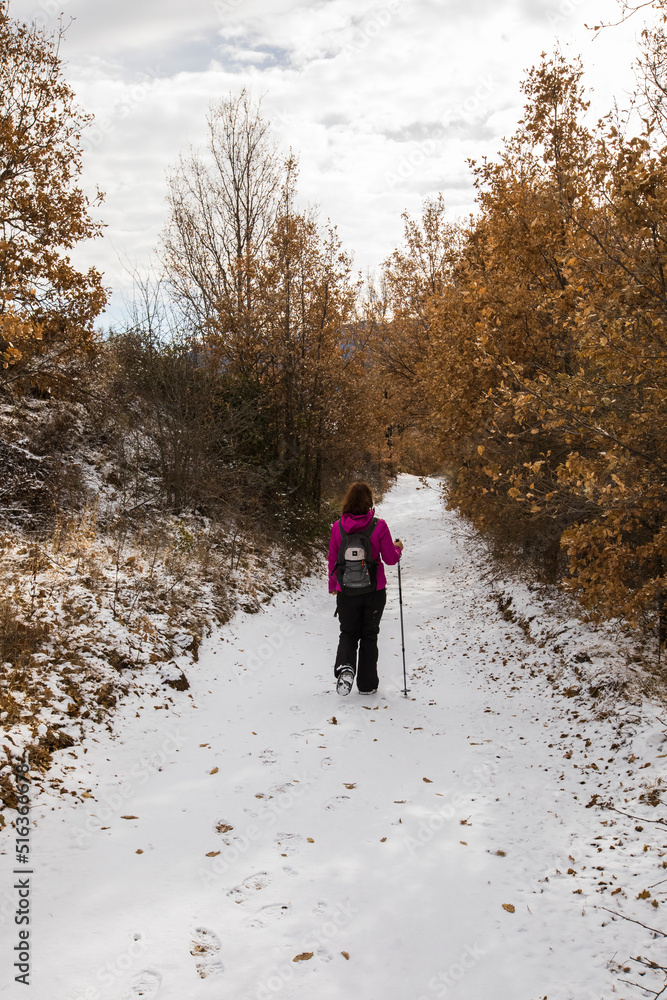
(400, 603)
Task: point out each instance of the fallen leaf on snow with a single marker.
(350, 784)
(214, 771)
(345, 955)
(129, 817)
(509, 907)
(304, 956)
(212, 854)
(310, 840)
(427, 780)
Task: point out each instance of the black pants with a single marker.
(359, 618)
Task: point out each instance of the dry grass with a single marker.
(102, 582)
(86, 614)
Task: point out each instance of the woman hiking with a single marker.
(359, 543)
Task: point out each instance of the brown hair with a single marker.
(358, 499)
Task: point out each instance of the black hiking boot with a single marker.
(345, 680)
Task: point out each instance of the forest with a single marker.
(153, 470)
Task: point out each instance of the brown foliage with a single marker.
(47, 307)
(547, 353)
(398, 326)
(268, 295)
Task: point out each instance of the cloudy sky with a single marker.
(383, 100)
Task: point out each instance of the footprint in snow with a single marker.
(352, 735)
(251, 884)
(289, 843)
(325, 955)
(145, 985)
(267, 915)
(336, 801)
(285, 787)
(205, 948)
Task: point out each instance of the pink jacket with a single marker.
(382, 546)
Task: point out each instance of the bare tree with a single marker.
(650, 100)
(223, 204)
(652, 75)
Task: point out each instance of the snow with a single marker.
(447, 843)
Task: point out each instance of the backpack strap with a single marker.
(343, 536)
(367, 532)
(372, 525)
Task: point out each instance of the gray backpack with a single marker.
(356, 570)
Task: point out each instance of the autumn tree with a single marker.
(313, 367)
(612, 408)
(548, 352)
(398, 324)
(266, 295)
(505, 317)
(47, 306)
(603, 479)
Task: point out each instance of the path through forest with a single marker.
(267, 838)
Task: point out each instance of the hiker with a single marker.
(359, 542)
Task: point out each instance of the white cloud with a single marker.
(383, 101)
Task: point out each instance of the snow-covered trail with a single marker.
(418, 847)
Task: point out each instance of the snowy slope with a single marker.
(444, 844)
